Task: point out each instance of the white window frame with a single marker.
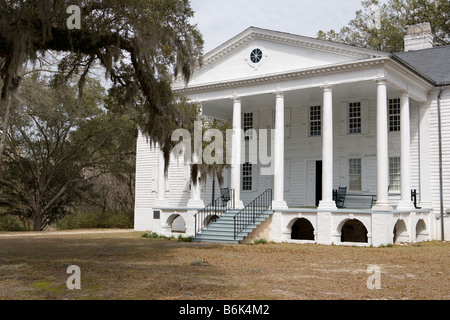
(395, 178)
(394, 115)
(355, 117)
(247, 177)
(248, 125)
(355, 171)
(315, 120)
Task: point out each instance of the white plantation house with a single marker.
(352, 148)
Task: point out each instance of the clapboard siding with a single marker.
(415, 146)
(434, 152)
(146, 164)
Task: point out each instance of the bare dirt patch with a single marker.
(127, 266)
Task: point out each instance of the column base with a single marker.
(161, 204)
(239, 205)
(426, 205)
(279, 205)
(196, 204)
(327, 205)
(382, 207)
(405, 205)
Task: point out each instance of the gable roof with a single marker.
(253, 33)
(433, 64)
(305, 56)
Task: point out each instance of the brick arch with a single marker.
(171, 219)
(302, 229)
(421, 231)
(353, 230)
(210, 219)
(400, 232)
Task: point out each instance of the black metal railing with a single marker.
(252, 212)
(215, 210)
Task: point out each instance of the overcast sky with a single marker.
(220, 20)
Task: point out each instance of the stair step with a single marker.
(229, 228)
(225, 233)
(223, 225)
(222, 230)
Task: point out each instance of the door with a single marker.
(318, 182)
(314, 183)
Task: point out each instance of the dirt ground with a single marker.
(127, 266)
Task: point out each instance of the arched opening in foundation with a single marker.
(302, 229)
(177, 224)
(400, 232)
(354, 231)
(421, 231)
(211, 219)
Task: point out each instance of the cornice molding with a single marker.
(290, 75)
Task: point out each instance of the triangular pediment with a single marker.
(258, 52)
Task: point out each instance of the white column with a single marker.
(161, 200)
(424, 147)
(327, 151)
(382, 149)
(405, 157)
(236, 152)
(278, 156)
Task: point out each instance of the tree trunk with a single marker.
(37, 221)
(5, 104)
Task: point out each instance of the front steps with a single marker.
(222, 231)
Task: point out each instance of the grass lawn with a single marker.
(127, 266)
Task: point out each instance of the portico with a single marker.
(376, 90)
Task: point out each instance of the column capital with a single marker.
(405, 94)
(327, 87)
(279, 94)
(236, 99)
(381, 81)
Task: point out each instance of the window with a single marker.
(248, 125)
(315, 121)
(256, 56)
(354, 119)
(394, 174)
(354, 173)
(247, 181)
(394, 115)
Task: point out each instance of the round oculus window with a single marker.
(256, 56)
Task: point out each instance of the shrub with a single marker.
(260, 241)
(89, 220)
(184, 239)
(154, 235)
(10, 223)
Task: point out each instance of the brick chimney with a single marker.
(419, 37)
